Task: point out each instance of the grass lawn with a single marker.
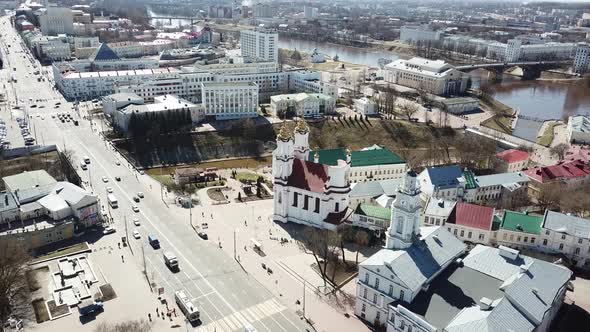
(499, 123)
(247, 176)
(547, 137)
(62, 252)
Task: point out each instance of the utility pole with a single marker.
(303, 299)
(235, 256)
(144, 265)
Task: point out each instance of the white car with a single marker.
(105, 179)
(136, 222)
(140, 194)
(136, 234)
(108, 230)
(118, 163)
(135, 208)
(110, 190)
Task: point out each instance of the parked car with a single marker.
(136, 234)
(136, 222)
(110, 190)
(135, 208)
(203, 235)
(108, 230)
(140, 194)
(136, 199)
(118, 178)
(105, 179)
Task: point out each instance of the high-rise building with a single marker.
(57, 20)
(260, 44)
(582, 59)
(310, 12)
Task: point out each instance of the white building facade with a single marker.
(225, 101)
(303, 104)
(261, 43)
(432, 76)
(57, 20)
(582, 58)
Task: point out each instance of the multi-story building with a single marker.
(578, 129)
(310, 12)
(582, 58)
(571, 173)
(127, 49)
(568, 235)
(519, 229)
(52, 49)
(437, 211)
(511, 161)
(302, 104)
(444, 182)
(233, 100)
(533, 49)
(310, 81)
(419, 34)
(372, 217)
(432, 76)
(167, 104)
(260, 44)
(57, 20)
(369, 164)
(471, 223)
(263, 10)
(365, 106)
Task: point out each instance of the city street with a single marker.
(227, 297)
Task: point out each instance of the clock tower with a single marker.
(405, 214)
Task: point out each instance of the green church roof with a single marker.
(373, 211)
(371, 157)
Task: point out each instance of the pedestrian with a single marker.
(174, 311)
(122, 259)
(157, 313)
(245, 223)
(119, 243)
(150, 317)
(167, 306)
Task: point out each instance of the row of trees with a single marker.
(153, 124)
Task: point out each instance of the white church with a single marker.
(308, 192)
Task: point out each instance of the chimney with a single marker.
(316, 157)
(485, 303)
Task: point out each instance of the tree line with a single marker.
(152, 124)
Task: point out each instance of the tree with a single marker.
(128, 326)
(361, 238)
(14, 292)
(408, 109)
(559, 150)
(324, 245)
(296, 56)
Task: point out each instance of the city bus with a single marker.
(188, 308)
(112, 201)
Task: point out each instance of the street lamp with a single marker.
(235, 231)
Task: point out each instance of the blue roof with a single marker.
(445, 176)
(104, 53)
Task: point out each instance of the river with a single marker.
(361, 56)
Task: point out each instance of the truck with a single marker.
(186, 306)
(113, 201)
(171, 261)
(153, 241)
(88, 307)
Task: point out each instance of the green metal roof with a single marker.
(371, 157)
(521, 222)
(373, 211)
(469, 179)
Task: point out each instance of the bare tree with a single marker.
(324, 246)
(408, 109)
(14, 292)
(361, 238)
(128, 326)
(559, 150)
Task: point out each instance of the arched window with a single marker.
(400, 224)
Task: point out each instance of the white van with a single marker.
(83, 165)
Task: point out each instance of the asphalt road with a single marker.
(227, 297)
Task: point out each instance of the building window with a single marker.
(378, 316)
(363, 307)
(518, 238)
(377, 283)
(295, 199)
(390, 290)
(563, 236)
(317, 205)
(364, 293)
(455, 232)
(580, 241)
(392, 318)
(526, 239)
(561, 246)
(469, 235)
(481, 237)
(366, 278)
(462, 233)
(401, 295)
(374, 298)
(305, 202)
(577, 251)
(402, 325)
(504, 236)
(449, 229)
(544, 242)
(546, 232)
(337, 207)
(532, 240)
(511, 237)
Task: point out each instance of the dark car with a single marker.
(203, 235)
(118, 178)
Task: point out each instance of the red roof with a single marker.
(513, 156)
(567, 170)
(471, 215)
(308, 175)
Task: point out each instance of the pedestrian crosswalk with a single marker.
(237, 320)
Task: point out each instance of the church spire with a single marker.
(284, 134)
